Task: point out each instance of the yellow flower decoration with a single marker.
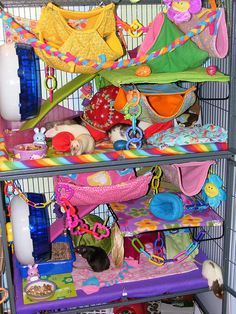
(147, 225)
(189, 220)
(119, 207)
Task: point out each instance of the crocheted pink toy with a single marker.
(180, 11)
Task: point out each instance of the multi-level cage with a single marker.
(217, 107)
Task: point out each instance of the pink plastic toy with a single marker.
(211, 70)
(99, 231)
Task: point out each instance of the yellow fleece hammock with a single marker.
(98, 36)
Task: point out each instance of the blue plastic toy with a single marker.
(20, 90)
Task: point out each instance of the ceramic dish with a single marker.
(40, 290)
(30, 151)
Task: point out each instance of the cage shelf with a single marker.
(107, 158)
(109, 296)
(127, 76)
(135, 217)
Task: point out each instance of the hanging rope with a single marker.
(32, 40)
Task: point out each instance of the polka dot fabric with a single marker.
(100, 114)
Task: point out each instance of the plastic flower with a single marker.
(212, 192)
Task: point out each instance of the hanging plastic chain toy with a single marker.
(10, 188)
(155, 183)
(154, 259)
(99, 231)
(135, 29)
(159, 245)
(193, 246)
(132, 111)
(160, 260)
(49, 77)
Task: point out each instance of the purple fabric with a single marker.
(145, 288)
(135, 217)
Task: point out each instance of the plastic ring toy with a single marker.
(138, 130)
(135, 27)
(136, 240)
(5, 295)
(53, 82)
(6, 189)
(133, 97)
(136, 141)
(131, 111)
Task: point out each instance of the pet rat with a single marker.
(84, 143)
(75, 129)
(95, 256)
(212, 272)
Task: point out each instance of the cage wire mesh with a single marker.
(146, 13)
(4, 306)
(214, 101)
(232, 240)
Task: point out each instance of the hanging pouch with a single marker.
(213, 39)
(162, 33)
(93, 34)
(188, 177)
(159, 103)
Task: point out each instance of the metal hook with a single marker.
(100, 3)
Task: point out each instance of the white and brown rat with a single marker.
(212, 272)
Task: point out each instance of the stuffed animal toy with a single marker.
(179, 11)
(32, 273)
(39, 136)
(212, 191)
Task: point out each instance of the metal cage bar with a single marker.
(218, 107)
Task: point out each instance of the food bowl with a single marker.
(40, 290)
(29, 151)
